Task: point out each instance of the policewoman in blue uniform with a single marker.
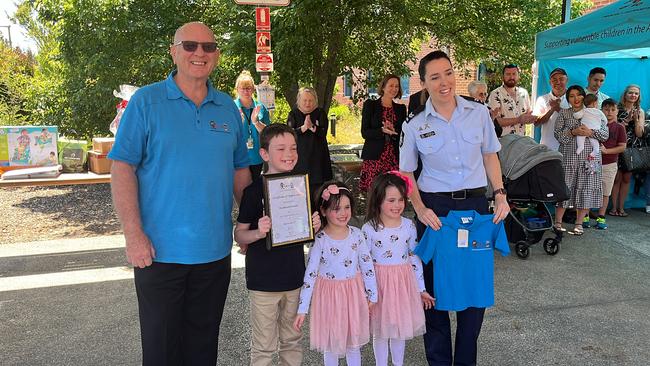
(456, 142)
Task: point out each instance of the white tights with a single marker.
(380, 348)
(352, 357)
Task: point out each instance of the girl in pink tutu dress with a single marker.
(339, 281)
(399, 314)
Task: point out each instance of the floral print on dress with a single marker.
(396, 246)
(338, 260)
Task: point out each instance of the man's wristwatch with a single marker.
(499, 191)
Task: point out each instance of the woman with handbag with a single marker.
(582, 172)
(631, 116)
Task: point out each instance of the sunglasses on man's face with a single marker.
(191, 46)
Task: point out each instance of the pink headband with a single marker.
(407, 181)
(332, 189)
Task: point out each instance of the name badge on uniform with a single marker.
(463, 238)
(428, 134)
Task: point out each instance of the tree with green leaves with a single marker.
(105, 43)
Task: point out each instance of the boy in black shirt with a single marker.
(273, 277)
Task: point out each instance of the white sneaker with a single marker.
(647, 209)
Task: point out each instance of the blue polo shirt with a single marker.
(185, 157)
(250, 131)
(463, 276)
(451, 151)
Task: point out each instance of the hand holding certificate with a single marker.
(286, 201)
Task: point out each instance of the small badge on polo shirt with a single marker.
(219, 127)
(428, 134)
(481, 245)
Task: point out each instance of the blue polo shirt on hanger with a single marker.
(463, 260)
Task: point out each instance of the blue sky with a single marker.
(18, 34)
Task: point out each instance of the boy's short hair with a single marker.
(609, 102)
(589, 99)
(274, 130)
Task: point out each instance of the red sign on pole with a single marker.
(263, 42)
(263, 18)
(264, 62)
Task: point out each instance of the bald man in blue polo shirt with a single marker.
(179, 156)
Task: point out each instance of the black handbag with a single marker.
(636, 158)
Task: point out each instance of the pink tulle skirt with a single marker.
(339, 315)
(399, 313)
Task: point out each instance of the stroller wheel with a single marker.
(522, 250)
(551, 246)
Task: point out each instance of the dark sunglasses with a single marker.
(191, 46)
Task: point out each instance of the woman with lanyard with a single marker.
(456, 141)
(254, 116)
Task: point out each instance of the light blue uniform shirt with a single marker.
(463, 277)
(250, 130)
(185, 157)
(451, 151)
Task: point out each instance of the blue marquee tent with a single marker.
(615, 37)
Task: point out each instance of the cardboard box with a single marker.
(103, 145)
(98, 163)
(28, 146)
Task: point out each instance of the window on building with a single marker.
(404, 83)
(372, 84)
(347, 84)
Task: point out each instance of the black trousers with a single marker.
(437, 339)
(180, 310)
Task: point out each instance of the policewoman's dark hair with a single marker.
(377, 194)
(580, 90)
(431, 56)
(322, 204)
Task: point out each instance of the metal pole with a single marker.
(566, 11)
(8, 33)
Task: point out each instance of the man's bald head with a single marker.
(191, 28)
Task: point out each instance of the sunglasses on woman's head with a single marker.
(191, 46)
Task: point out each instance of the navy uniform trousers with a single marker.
(437, 339)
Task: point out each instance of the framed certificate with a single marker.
(287, 203)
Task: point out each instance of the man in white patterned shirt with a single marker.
(513, 101)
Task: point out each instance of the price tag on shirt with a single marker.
(463, 238)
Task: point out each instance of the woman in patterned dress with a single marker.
(381, 125)
(630, 115)
(581, 171)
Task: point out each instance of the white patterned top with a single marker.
(510, 107)
(395, 245)
(338, 260)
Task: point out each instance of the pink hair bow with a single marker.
(331, 189)
(407, 181)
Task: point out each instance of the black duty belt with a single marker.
(464, 193)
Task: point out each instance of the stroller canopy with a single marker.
(519, 154)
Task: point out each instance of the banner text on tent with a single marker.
(607, 33)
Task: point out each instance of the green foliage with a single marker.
(16, 70)
(348, 125)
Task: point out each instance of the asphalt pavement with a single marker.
(72, 302)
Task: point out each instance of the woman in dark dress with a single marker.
(311, 124)
(381, 125)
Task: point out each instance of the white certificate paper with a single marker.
(287, 204)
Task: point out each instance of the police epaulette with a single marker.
(415, 112)
(471, 99)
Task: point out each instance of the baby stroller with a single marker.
(533, 177)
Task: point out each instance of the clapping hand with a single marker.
(555, 104)
(315, 221)
(387, 130)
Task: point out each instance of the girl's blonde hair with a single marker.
(245, 79)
